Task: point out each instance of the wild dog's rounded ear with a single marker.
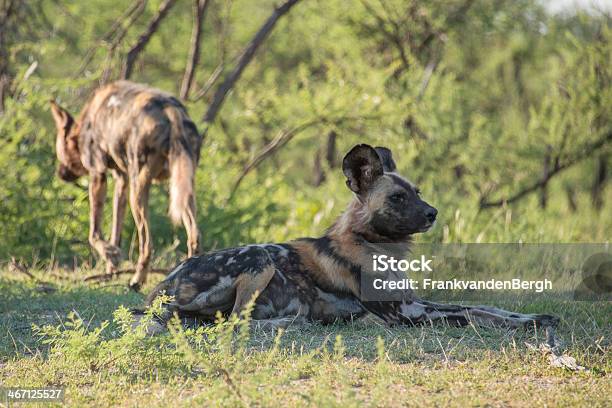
(361, 166)
(60, 115)
(387, 158)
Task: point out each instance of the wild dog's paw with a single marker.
(135, 286)
(139, 278)
(112, 254)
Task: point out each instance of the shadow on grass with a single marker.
(22, 305)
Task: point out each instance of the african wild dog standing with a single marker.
(139, 134)
(319, 278)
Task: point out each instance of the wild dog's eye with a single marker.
(398, 197)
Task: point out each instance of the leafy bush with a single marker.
(481, 98)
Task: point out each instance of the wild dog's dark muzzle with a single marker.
(66, 174)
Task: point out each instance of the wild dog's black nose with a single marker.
(431, 214)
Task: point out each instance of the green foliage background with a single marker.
(510, 84)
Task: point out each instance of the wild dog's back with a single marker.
(126, 117)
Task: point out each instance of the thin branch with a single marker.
(103, 277)
(131, 14)
(393, 37)
(558, 168)
(199, 13)
(209, 82)
(117, 31)
(397, 31)
(41, 286)
(244, 60)
(224, 22)
(279, 141)
(282, 139)
(14, 265)
(143, 40)
(221, 37)
(119, 36)
(427, 74)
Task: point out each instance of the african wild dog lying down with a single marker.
(318, 279)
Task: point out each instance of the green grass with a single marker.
(364, 363)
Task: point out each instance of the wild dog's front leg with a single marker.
(421, 311)
(97, 193)
(389, 311)
(119, 204)
(278, 323)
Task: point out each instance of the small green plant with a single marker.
(73, 341)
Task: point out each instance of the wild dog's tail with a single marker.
(183, 158)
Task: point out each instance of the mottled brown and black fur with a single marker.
(319, 279)
(140, 135)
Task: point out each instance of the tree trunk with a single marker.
(572, 203)
(600, 181)
(545, 176)
(6, 14)
(244, 60)
(330, 153)
(318, 172)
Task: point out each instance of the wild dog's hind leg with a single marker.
(420, 311)
(189, 220)
(140, 183)
(250, 284)
(218, 282)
